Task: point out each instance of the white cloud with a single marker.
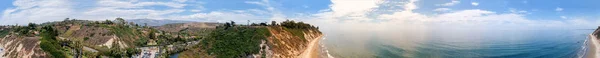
(451, 3)
(36, 11)
(26, 11)
(195, 10)
(563, 17)
(262, 3)
(512, 10)
(442, 9)
(474, 3)
(180, 1)
(558, 9)
(131, 4)
(353, 7)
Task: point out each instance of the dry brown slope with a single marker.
(284, 44)
(21, 47)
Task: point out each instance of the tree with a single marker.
(31, 26)
(146, 25)
(131, 23)
(263, 24)
(49, 43)
(120, 20)
(66, 19)
(151, 35)
(273, 23)
(232, 23)
(295, 25)
(108, 22)
(253, 24)
(227, 25)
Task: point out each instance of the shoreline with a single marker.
(592, 50)
(311, 50)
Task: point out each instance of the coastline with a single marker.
(592, 50)
(312, 50)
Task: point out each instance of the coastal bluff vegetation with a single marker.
(119, 38)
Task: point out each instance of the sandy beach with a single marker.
(592, 47)
(312, 51)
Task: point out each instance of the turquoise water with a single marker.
(461, 44)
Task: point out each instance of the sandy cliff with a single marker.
(283, 44)
(21, 47)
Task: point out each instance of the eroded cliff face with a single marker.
(21, 47)
(283, 44)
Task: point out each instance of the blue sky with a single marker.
(467, 13)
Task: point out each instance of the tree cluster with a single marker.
(296, 25)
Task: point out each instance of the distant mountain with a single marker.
(154, 22)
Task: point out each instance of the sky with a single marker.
(373, 15)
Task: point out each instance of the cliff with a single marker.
(21, 47)
(284, 44)
(285, 40)
(592, 44)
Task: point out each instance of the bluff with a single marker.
(288, 39)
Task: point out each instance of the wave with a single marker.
(584, 48)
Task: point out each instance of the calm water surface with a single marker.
(460, 44)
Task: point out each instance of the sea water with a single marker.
(460, 44)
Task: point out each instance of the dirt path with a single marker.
(89, 49)
(311, 50)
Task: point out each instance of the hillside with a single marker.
(285, 40)
(74, 38)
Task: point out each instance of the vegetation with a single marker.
(4, 32)
(228, 40)
(296, 25)
(49, 42)
(235, 41)
(296, 28)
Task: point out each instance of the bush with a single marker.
(86, 38)
(4, 32)
(49, 42)
(236, 42)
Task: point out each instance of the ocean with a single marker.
(459, 44)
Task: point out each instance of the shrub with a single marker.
(236, 41)
(49, 42)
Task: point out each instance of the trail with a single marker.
(309, 52)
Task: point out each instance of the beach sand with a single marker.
(592, 47)
(312, 51)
